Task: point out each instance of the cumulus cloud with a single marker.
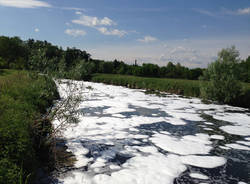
(100, 24)
(114, 32)
(36, 30)
(147, 39)
(244, 11)
(75, 32)
(24, 3)
(93, 21)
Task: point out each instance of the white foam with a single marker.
(198, 176)
(187, 145)
(114, 167)
(218, 137)
(203, 161)
(147, 149)
(224, 147)
(208, 123)
(140, 170)
(240, 120)
(236, 130)
(247, 138)
(241, 182)
(247, 143)
(111, 119)
(238, 146)
(208, 129)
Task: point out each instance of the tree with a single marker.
(222, 78)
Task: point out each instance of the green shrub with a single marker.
(222, 76)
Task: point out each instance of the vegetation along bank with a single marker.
(24, 99)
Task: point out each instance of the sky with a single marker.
(190, 32)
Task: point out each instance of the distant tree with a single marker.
(194, 74)
(13, 51)
(150, 70)
(171, 69)
(222, 76)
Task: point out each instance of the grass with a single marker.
(177, 86)
(24, 98)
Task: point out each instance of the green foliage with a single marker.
(222, 76)
(23, 97)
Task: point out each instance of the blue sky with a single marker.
(190, 32)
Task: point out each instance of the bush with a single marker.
(222, 76)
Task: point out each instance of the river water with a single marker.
(126, 136)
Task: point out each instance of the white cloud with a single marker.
(114, 32)
(73, 8)
(244, 11)
(75, 32)
(24, 3)
(36, 30)
(78, 13)
(100, 24)
(93, 21)
(148, 39)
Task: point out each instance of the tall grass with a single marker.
(177, 86)
(24, 97)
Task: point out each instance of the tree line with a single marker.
(74, 63)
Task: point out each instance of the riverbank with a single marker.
(24, 99)
(176, 86)
(189, 88)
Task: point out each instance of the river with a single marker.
(126, 136)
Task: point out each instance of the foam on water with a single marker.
(198, 176)
(218, 137)
(238, 146)
(110, 142)
(198, 144)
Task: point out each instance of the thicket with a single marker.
(24, 98)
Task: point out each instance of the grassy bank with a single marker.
(177, 86)
(189, 88)
(24, 98)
